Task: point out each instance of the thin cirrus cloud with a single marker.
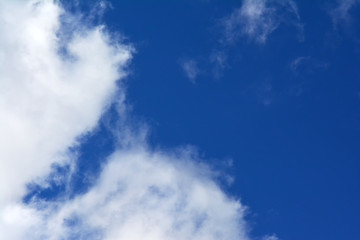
(297, 62)
(307, 65)
(257, 19)
(342, 11)
(191, 69)
(254, 20)
(54, 87)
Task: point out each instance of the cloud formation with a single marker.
(47, 97)
(57, 77)
(341, 11)
(257, 19)
(191, 69)
(144, 195)
(307, 65)
(270, 237)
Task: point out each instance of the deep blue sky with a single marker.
(292, 132)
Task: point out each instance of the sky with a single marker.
(174, 120)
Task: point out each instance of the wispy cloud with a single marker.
(54, 91)
(342, 11)
(261, 92)
(307, 65)
(294, 65)
(218, 59)
(254, 20)
(191, 69)
(257, 19)
(270, 237)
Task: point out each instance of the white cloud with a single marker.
(218, 59)
(307, 64)
(257, 19)
(341, 12)
(270, 237)
(51, 92)
(46, 99)
(148, 196)
(190, 68)
(294, 65)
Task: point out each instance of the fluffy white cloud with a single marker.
(48, 98)
(144, 195)
(54, 86)
(257, 19)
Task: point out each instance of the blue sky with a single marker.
(243, 113)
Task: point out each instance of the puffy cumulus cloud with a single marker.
(51, 90)
(56, 80)
(257, 19)
(144, 195)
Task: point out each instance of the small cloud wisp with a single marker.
(257, 19)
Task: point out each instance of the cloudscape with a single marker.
(55, 87)
(200, 120)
